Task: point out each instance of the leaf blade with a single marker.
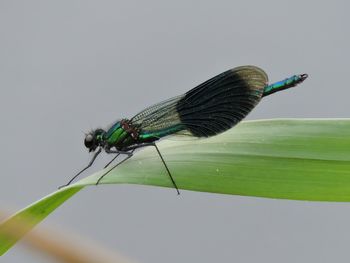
(305, 159)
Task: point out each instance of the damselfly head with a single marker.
(89, 142)
(94, 139)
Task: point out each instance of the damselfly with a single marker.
(207, 110)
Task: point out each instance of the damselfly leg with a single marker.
(166, 167)
(111, 161)
(90, 163)
(130, 150)
(130, 154)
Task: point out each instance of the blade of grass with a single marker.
(10, 232)
(305, 159)
(63, 245)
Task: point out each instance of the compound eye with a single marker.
(89, 139)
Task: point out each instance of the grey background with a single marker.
(70, 66)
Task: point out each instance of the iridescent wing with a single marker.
(158, 117)
(208, 109)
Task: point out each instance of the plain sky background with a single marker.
(69, 66)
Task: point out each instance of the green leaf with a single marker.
(307, 159)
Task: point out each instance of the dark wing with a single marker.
(210, 108)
